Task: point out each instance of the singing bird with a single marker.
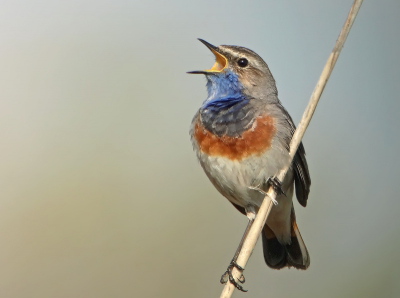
(241, 136)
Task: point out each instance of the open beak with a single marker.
(220, 60)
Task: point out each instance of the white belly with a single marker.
(233, 178)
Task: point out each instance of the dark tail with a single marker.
(278, 256)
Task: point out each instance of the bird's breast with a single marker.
(254, 141)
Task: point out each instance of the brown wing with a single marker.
(302, 177)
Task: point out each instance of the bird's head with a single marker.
(240, 69)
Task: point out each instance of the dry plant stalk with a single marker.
(267, 204)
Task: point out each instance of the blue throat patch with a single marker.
(226, 111)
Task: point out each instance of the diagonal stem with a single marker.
(228, 273)
(266, 206)
(246, 232)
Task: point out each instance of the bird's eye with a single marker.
(242, 62)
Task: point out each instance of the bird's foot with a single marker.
(229, 276)
(276, 185)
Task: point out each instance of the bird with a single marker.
(241, 136)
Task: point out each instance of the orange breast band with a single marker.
(253, 141)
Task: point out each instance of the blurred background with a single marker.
(101, 193)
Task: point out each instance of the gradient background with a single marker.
(101, 194)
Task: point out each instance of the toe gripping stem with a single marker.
(228, 275)
(276, 185)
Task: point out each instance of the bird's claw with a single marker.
(229, 276)
(276, 185)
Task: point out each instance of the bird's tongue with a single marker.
(220, 62)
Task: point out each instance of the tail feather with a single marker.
(278, 255)
(274, 252)
(297, 253)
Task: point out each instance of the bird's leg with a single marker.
(263, 193)
(228, 273)
(276, 185)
